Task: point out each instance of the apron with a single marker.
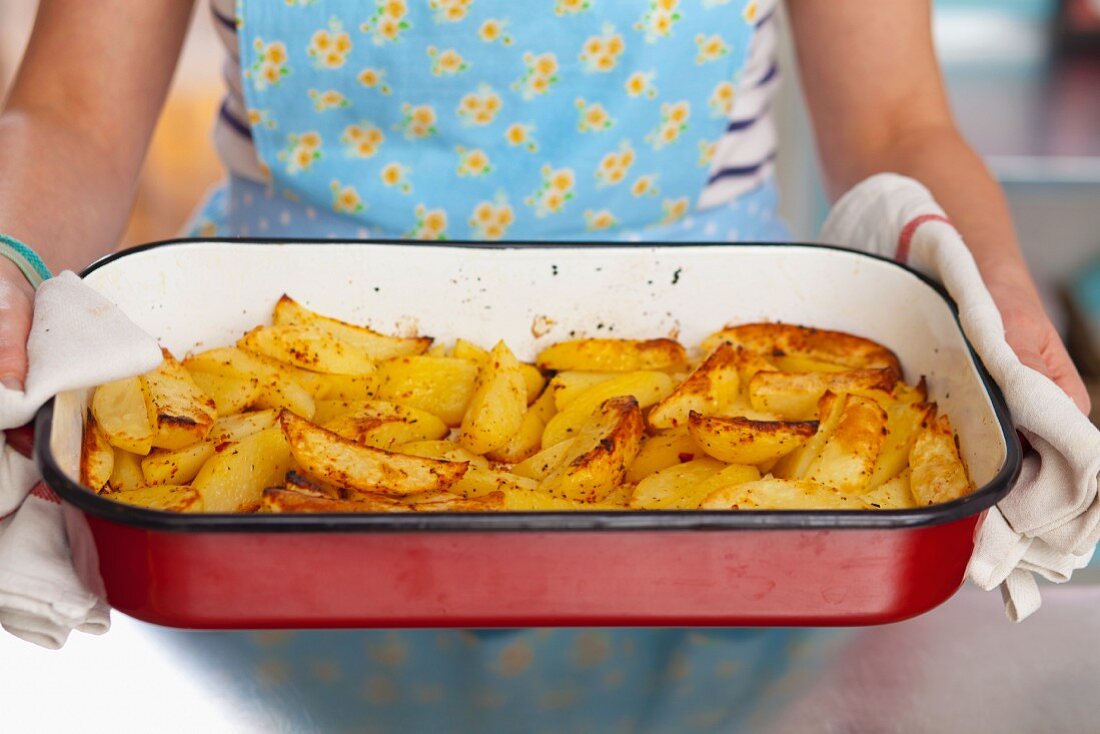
(468, 119)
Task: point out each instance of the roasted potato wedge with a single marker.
(307, 348)
(708, 389)
(936, 471)
(527, 440)
(277, 499)
(744, 441)
(664, 486)
(613, 355)
(893, 494)
(820, 345)
(440, 385)
(182, 413)
(569, 385)
(646, 387)
(343, 463)
(97, 457)
(497, 406)
(176, 466)
(289, 312)
(123, 415)
(542, 464)
(688, 496)
(781, 494)
(167, 497)
(444, 451)
(231, 394)
(533, 380)
(535, 500)
(903, 420)
(233, 428)
(796, 465)
(795, 395)
(480, 481)
(385, 425)
(662, 450)
(126, 472)
(602, 450)
(279, 386)
(233, 480)
(847, 459)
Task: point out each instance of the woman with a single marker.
(472, 119)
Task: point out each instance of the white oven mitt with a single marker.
(1050, 523)
(78, 339)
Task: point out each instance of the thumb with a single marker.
(16, 308)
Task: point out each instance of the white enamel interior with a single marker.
(200, 295)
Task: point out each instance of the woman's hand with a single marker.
(16, 308)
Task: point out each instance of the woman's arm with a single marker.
(73, 134)
(876, 98)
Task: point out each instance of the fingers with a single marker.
(16, 307)
(1038, 346)
(1061, 369)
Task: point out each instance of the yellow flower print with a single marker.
(721, 100)
(395, 175)
(261, 118)
(571, 7)
(615, 166)
(601, 53)
(492, 30)
(449, 11)
(449, 62)
(479, 107)
(417, 121)
(329, 48)
(269, 66)
(540, 73)
(641, 83)
(645, 186)
(599, 220)
(361, 141)
(388, 21)
(491, 220)
(345, 199)
(709, 48)
(301, 151)
(372, 78)
(751, 11)
(431, 224)
(674, 121)
(674, 209)
(556, 189)
(657, 21)
(473, 162)
(593, 117)
(518, 134)
(707, 149)
(328, 100)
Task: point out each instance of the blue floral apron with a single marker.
(499, 119)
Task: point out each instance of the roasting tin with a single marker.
(651, 568)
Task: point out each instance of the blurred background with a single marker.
(1024, 80)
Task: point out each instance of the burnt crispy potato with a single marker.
(744, 441)
(794, 395)
(712, 386)
(820, 345)
(308, 348)
(600, 454)
(343, 463)
(182, 413)
(97, 457)
(613, 355)
(781, 494)
(124, 416)
(847, 459)
(937, 472)
(289, 312)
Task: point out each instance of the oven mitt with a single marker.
(1049, 524)
(78, 339)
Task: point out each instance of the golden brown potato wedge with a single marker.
(527, 441)
(662, 450)
(797, 363)
(289, 312)
(277, 499)
(690, 496)
(126, 472)
(533, 379)
(120, 409)
(781, 494)
(613, 355)
(603, 449)
(297, 480)
(307, 348)
(796, 465)
(233, 480)
(794, 395)
(167, 497)
(346, 387)
(569, 385)
(176, 466)
(893, 494)
(182, 413)
(497, 406)
(279, 384)
(712, 386)
(480, 481)
(97, 457)
(647, 387)
(444, 451)
(343, 463)
(542, 464)
(442, 386)
(820, 345)
(847, 459)
(903, 420)
(535, 500)
(666, 485)
(937, 473)
(231, 394)
(384, 425)
(236, 427)
(744, 441)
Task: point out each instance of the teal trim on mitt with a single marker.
(25, 259)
